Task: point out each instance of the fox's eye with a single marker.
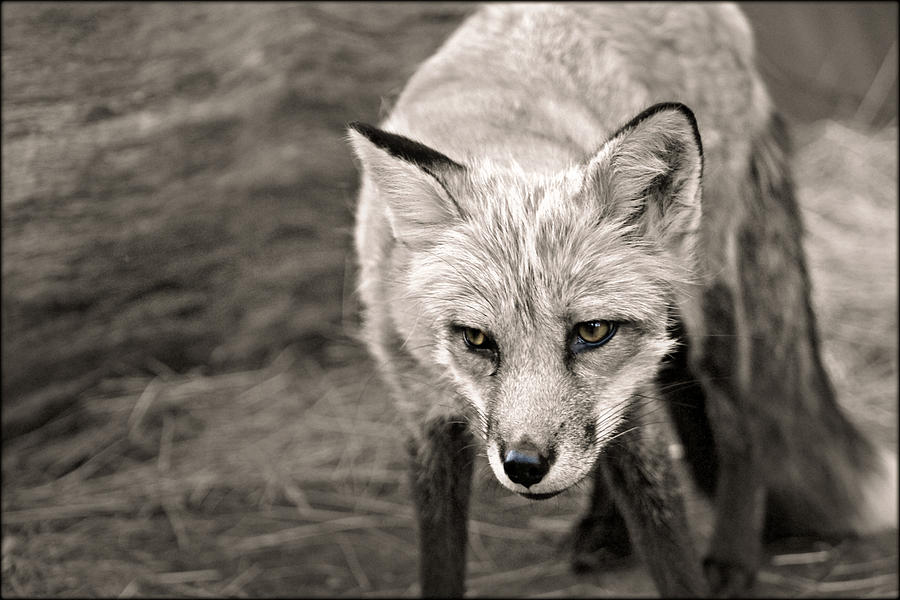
(475, 338)
(594, 333)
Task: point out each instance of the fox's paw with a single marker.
(599, 542)
(728, 580)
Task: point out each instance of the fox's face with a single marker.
(543, 299)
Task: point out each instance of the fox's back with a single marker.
(545, 85)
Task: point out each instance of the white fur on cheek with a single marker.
(466, 387)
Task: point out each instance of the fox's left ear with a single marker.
(412, 178)
(648, 174)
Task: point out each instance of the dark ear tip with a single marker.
(688, 114)
(680, 107)
(360, 127)
(659, 107)
(664, 106)
(402, 147)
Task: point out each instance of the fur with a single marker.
(544, 169)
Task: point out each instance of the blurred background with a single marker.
(185, 408)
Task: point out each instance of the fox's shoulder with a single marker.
(633, 28)
(576, 72)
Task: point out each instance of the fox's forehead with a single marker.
(534, 248)
(511, 194)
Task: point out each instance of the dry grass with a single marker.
(289, 480)
(185, 200)
(176, 185)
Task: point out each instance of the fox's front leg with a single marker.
(740, 503)
(441, 474)
(601, 536)
(641, 477)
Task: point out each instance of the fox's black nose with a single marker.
(525, 465)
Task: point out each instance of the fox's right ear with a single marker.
(648, 174)
(413, 178)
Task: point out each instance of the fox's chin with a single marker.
(543, 496)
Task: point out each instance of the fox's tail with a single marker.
(828, 492)
(833, 478)
(879, 509)
(824, 477)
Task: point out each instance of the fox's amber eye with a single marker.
(474, 337)
(594, 332)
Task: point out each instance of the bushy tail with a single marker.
(831, 479)
(879, 510)
(846, 486)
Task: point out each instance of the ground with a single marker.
(187, 410)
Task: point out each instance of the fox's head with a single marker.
(544, 300)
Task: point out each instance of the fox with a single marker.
(576, 237)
